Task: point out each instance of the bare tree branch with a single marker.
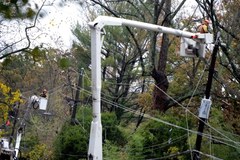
(26, 33)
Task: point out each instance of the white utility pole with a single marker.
(95, 143)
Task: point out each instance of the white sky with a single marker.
(58, 23)
(60, 16)
(53, 29)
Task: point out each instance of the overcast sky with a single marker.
(54, 28)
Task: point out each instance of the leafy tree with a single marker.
(227, 76)
(16, 9)
(39, 152)
(8, 99)
(112, 151)
(72, 141)
(154, 139)
(111, 131)
(145, 58)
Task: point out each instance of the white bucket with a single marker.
(43, 103)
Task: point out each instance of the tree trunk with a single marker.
(161, 100)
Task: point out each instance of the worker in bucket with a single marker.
(44, 93)
(203, 28)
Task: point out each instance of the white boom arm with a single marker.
(17, 145)
(95, 143)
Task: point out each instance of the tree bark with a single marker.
(160, 99)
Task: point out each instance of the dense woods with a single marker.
(150, 95)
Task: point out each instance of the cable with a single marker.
(217, 139)
(207, 155)
(210, 146)
(195, 115)
(153, 118)
(186, 113)
(161, 145)
(186, 152)
(198, 118)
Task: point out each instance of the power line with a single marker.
(186, 113)
(198, 118)
(217, 139)
(207, 124)
(186, 152)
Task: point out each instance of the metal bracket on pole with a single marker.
(205, 108)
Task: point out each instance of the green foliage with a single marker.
(109, 61)
(39, 151)
(81, 49)
(72, 141)
(112, 151)
(154, 139)
(30, 13)
(37, 54)
(14, 9)
(111, 132)
(136, 147)
(175, 150)
(30, 141)
(64, 63)
(145, 100)
(217, 121)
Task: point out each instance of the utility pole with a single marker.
(206, 101)
(77, 98)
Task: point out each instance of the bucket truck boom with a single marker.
(192, 44)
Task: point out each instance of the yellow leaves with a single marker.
(4, 111)
(40, 151)
(145, 100)
(4, 89)
(174, 150)
(16, 97)
(7, 99)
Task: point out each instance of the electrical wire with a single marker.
(146, 116)
(217, 139)
(113, 103)
(186, 152)
(159, 146)
(190, 100)
(207, 124)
